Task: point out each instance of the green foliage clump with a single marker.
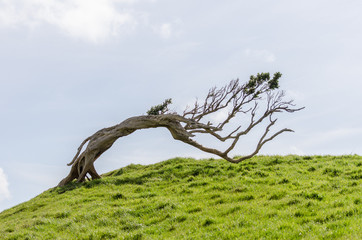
(161, 108)
(267, 197)
(255, 83)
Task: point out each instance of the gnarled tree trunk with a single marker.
(102, 140)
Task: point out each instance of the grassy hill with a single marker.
(267, 197)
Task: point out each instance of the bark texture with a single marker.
(235, 98)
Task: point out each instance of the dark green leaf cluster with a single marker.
(261, 79)
(274, 82)
(160, 109)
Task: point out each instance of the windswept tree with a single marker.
(258, 101)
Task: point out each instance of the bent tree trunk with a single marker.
(102, 140)
(234, 97)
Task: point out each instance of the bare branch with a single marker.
(79, 149)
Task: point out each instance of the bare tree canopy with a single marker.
(257, 101)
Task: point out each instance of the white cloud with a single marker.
(91, 20)
(169, 29)
(165, 30)
(263, 55)
(4, 186)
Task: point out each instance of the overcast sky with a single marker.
(72, 67)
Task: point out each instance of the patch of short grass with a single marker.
(266, 197)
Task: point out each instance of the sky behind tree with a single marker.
(70, 68)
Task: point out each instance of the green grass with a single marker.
(267, 197)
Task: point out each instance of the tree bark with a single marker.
(102, 140)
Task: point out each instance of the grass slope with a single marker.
(292, 197)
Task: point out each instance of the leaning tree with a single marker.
(257, 100)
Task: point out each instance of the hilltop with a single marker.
(267, 197)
